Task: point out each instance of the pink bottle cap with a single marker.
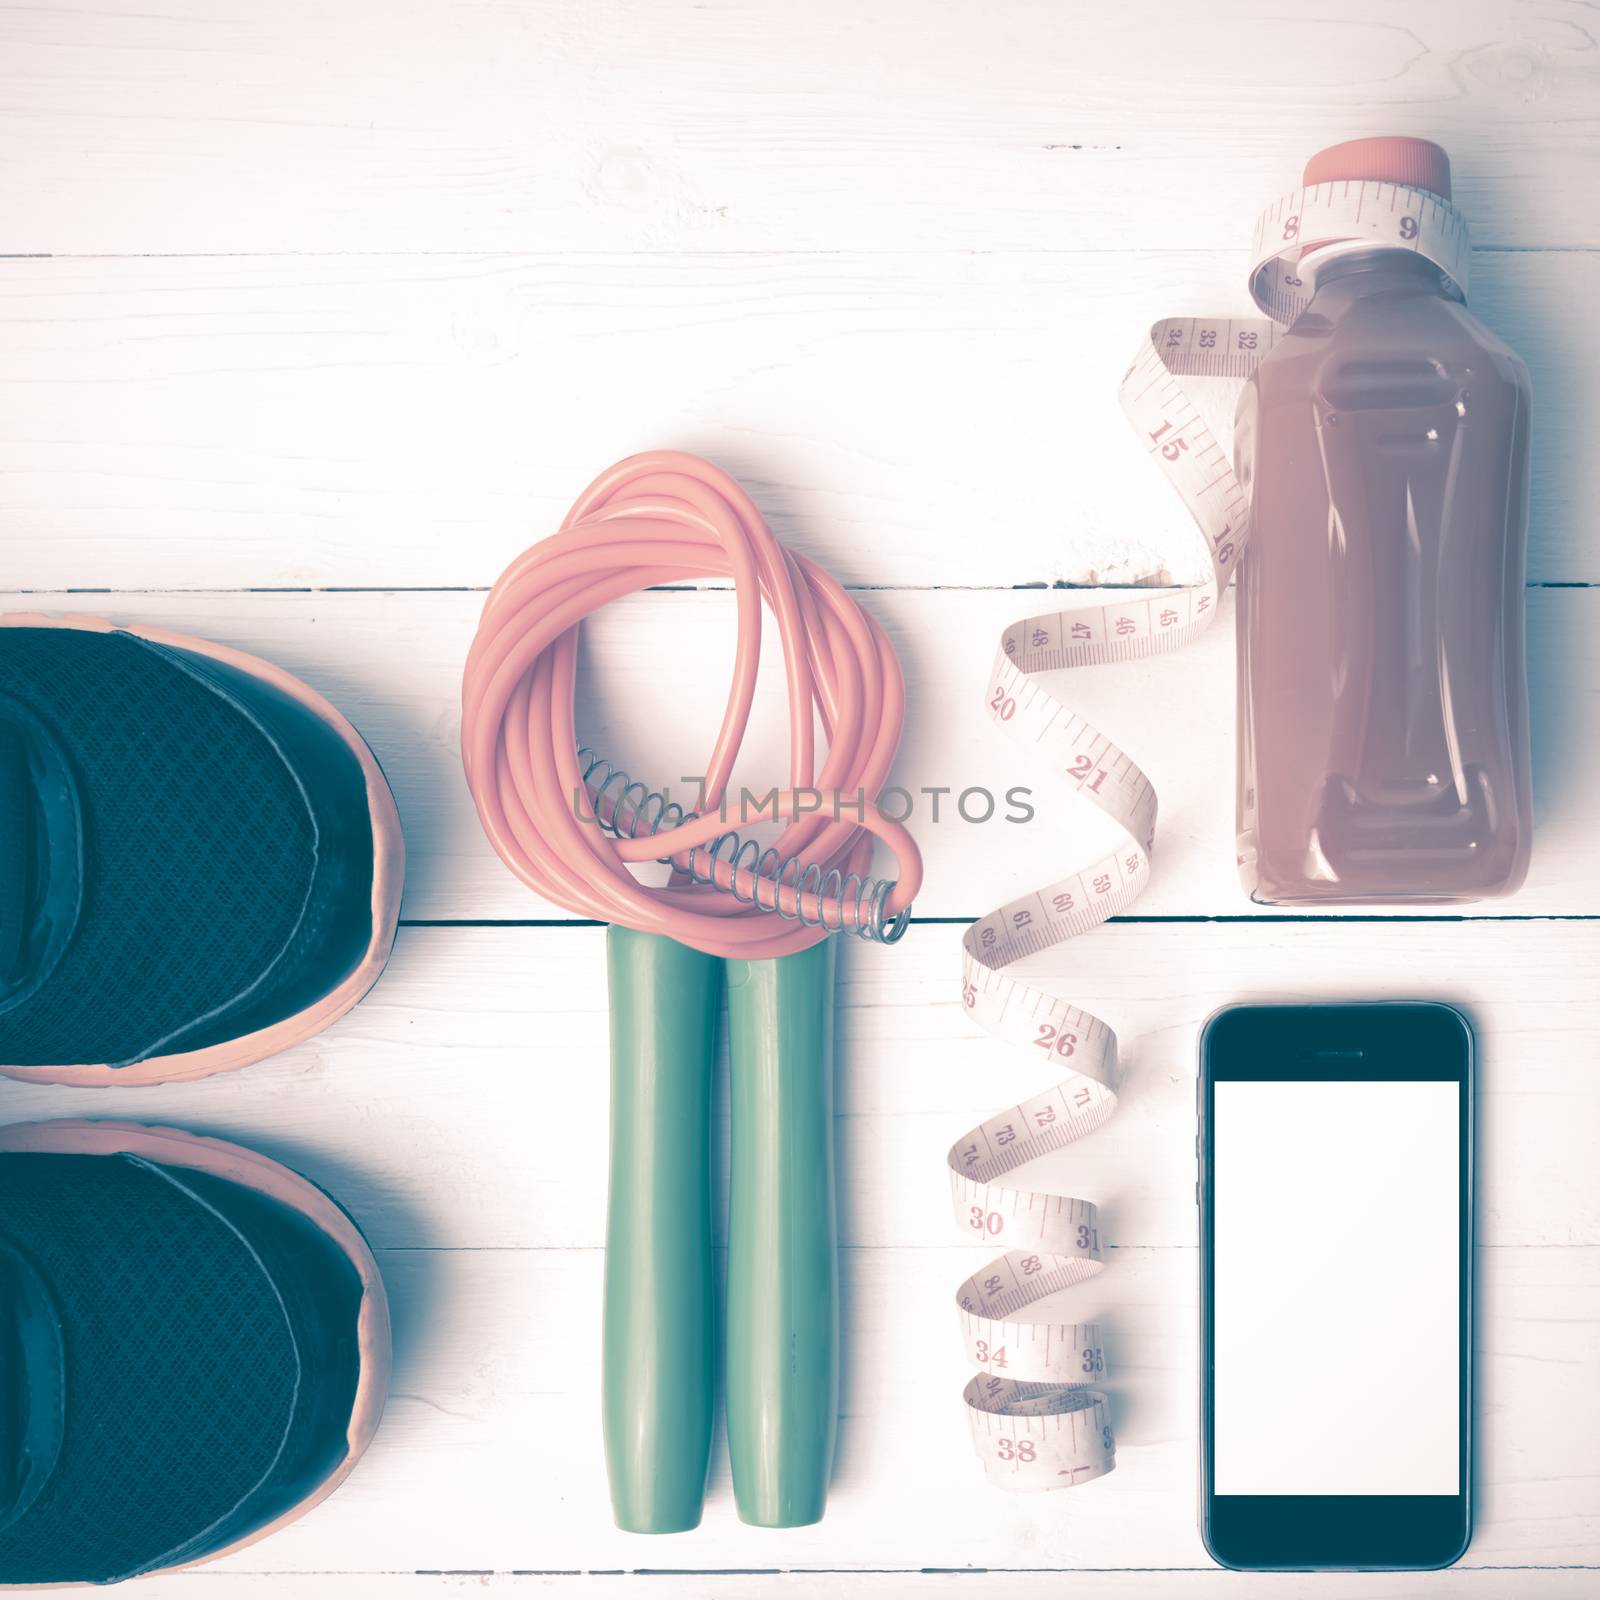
(1419, 163)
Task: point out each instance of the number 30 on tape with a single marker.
(1038, 1421)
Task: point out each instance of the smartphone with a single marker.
(1335, 1197)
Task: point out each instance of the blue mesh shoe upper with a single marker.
(179, 1370)
(186, 853)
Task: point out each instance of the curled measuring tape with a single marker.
(1037, 1421)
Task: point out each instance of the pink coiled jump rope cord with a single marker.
(765, 912)
(661, 518)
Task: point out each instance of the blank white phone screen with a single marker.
(1337, 1288)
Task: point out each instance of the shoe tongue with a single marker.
(32, 1382)
(40, 851)
(16, 853)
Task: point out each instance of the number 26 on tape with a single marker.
(1055, 1041)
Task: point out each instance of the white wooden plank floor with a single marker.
(312, 315)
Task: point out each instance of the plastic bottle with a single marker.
(1383, 442)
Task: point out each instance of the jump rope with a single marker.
(768, 910)
(573, 827)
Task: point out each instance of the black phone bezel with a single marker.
(1423, 1040)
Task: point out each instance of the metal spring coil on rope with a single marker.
(856, 900)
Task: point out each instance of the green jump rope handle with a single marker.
(658, 1340)
(783, 1263)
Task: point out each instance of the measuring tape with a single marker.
(1037, 1422)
